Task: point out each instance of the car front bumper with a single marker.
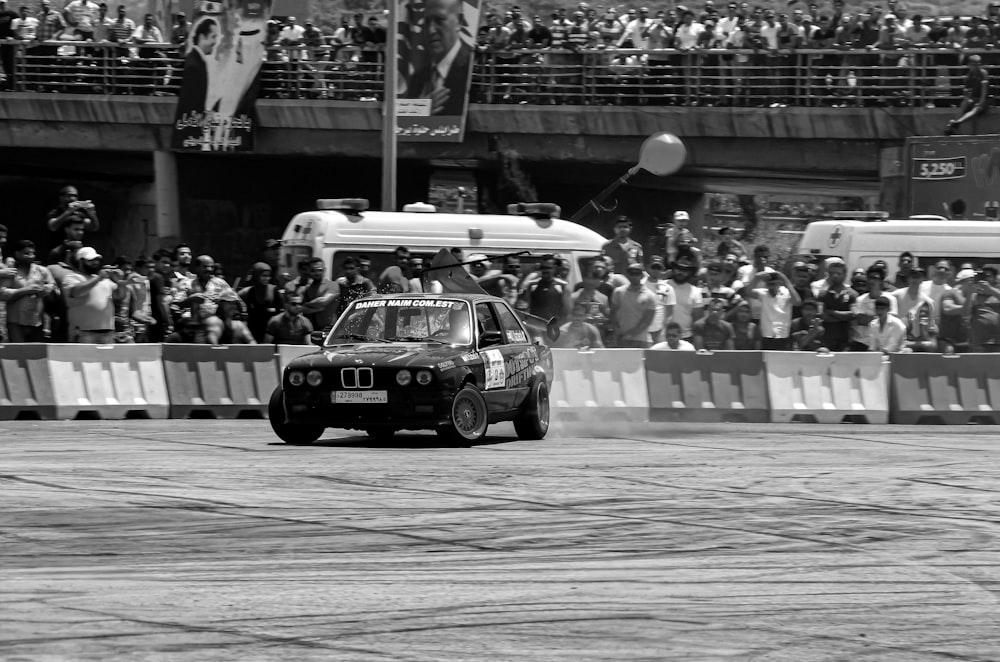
(407, 408)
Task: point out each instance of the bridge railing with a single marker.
(804, 77)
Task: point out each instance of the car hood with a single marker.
(407, 355)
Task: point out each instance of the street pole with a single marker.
(390, 73)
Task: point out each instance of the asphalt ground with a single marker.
(208, 540)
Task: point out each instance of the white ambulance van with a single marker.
(345, 227)
(861, 238)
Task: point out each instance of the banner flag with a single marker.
(224, 53)
(436, 47)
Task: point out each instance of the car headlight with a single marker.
(403, 377)
(314, 378)
(296, 378)
(424, 377)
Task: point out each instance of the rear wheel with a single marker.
(469, 417)
(533, 420)
(381, 434)
(290, 433)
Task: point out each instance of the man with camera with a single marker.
(74, 217)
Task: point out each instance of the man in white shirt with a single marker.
(910, 298)
(290, 36)
(674, 340)
(777, 299)
(887, 331)
(26, 27)
(689, 302)
(637, 31)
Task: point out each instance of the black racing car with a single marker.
(450, 363)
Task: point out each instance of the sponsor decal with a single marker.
(496, 371)
(446, 365)
(471, 356)
(516, 336)
(520, 369)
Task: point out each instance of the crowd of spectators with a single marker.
(666, 294)
(733, 53)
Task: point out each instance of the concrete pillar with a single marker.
(167, 195)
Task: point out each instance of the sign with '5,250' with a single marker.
(942, 168)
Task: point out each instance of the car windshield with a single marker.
(445, 321)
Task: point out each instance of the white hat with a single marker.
(965, 274)
(681, 216)
(888, 16)
(477, 257)
(88, 253)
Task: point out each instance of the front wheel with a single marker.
(290, 433)
(468, 419)
(532, 422)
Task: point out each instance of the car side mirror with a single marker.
(316, 338)
(490, 338)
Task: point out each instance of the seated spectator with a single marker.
(674, 341)
(226, 327)
(578, 333)
(290, 327)
(807, 331)
(713, 332)
(200, 296)
(975, 95)
(887, 331)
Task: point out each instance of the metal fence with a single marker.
(589, 77)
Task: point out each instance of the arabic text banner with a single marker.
(225, 49)
(436, 48)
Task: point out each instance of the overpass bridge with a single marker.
(118, 146)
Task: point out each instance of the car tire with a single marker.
(469, 417)
(532, 422)
(381, 434)
(295, 435)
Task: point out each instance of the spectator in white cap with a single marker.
(89, 294)
(479, 264)
(683, 237)
(975, 94)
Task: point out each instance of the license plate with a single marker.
(361, 397)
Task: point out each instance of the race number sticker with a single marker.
(496, 372)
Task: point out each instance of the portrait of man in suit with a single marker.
(194, 90)
(445, 76)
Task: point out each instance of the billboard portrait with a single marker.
(436, 47)
(224, 52)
